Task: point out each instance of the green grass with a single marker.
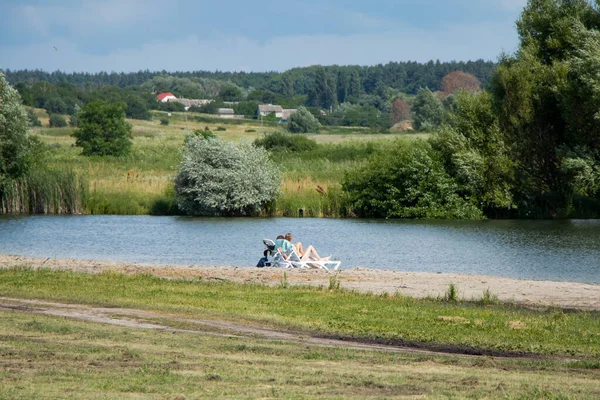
(429, 323)
(57, 358)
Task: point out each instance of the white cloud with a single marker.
(89, 16)
(34, 20)
(484, 41)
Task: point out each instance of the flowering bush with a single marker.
(218, 178)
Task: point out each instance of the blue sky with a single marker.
(182, 35)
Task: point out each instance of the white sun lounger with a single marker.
(293, 260)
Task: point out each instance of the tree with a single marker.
(472, 148)
(302, 121)
(354, 87)
(400, 111)
(459, 80)
(136, 108)
(287, 85)
(103, 130)
(547, 97)
(428, 110)
(230, 93)
(219, 178)
(342, 86)
(324, 89)
(14, 124)
(263, 96)
(248, 109)
(57, 121)
(406, 181)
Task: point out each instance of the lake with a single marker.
(565, 250)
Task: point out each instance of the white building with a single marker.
(267, 109)
(167, 96)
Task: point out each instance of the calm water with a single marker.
(545, 250)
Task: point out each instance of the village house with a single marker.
(226, 113)
(191, 102)
(164, 97)
(169, 97)
(266, 109)
(287, 113)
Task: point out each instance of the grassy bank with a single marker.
(430, 323)
(55, 357)
(142, 182)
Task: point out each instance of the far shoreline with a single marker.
(413, 284)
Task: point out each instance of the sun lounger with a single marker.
(293, 260)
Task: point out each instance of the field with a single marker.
(117, 336)
(140, 183)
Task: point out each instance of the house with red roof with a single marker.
(164, 97)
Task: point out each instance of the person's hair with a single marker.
(280, 237)
(288, 236)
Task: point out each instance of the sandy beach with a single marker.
(414, 284)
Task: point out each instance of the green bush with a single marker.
(33, 118)
(164, 121)
(14, 145)
(218, 178)
(221, 129)
(74, 121)
(406, 181)
(103, 130)
(284, 142)
(428, 111)
(302, 121)
(57, 121)
(205, 134)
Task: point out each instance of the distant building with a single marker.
(286, 113)
(167, 96)
(191, 102)
(267, 109)
(226, 113)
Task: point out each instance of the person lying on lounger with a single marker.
(284, 247)
(305, 254)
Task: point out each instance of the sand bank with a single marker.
(414, 284)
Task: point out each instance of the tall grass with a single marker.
(44, 191)
(141, 183)
(309, 198)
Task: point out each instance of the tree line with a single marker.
(347, 96)
(407, 77)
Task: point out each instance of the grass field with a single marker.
(135, 184)
(56, 357)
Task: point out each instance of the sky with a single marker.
(251, 36)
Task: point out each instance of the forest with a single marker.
(351, 95)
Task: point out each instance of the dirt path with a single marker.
(414, 284)
(131, 318)
(141, 319)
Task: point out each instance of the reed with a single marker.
(44, 191)
(309, 198)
